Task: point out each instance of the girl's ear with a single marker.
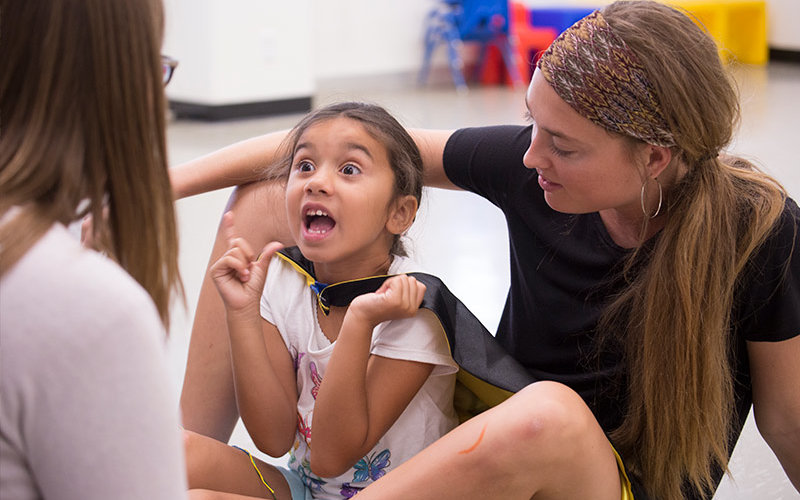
(402, 214)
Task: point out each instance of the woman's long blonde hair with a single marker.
(82, 124)
(677, 307)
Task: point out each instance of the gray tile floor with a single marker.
(455, 230)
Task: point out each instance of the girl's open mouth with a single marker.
(318, 222)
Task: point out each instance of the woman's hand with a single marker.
(96, 237)
(240, 274)
(398, 297)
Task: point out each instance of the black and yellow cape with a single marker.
(487, 374)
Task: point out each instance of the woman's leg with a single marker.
(208, 403)
(214, 466)
(541, 443)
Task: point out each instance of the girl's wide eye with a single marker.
(305, 166)
(350, 169)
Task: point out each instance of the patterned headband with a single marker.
(596, 73)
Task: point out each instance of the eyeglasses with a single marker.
(168, 66)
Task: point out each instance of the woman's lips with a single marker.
(547, 185)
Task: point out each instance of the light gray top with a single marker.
(86, 407)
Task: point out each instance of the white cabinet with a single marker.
(239, 57)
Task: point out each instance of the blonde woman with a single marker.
(655, 283)
(85, 409)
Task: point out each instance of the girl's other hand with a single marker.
(398, 297)
(240, 274)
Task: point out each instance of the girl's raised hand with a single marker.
(240, 274)
(398, 297)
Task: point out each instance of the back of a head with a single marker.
(83, 120)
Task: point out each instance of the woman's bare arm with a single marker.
(431, 145)
(233, 165)
(775, 369)
(244, 161)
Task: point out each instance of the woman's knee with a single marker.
(203, 495)
(550, 417)
(550, 441)
(260, 212)
(190, 440)
(198, 454)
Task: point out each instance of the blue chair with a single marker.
(454, 22)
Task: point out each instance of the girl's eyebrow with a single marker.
(302, 145)
(359, 147)
(348, 145)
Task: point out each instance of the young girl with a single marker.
(373, 379)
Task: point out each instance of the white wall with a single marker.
(361, 37)
(783, 18)
(239, 51)
(254, 50)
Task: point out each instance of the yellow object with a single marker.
(260, 476)
(625, 483)
(738, 26)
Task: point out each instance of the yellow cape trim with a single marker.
(625, 483)
(310, 280)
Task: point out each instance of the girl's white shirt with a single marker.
(289, 304)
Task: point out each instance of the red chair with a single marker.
(527, 42)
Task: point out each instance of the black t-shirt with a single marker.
(564, 268)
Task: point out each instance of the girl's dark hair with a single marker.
(404, 156)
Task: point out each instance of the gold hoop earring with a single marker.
(643, 197)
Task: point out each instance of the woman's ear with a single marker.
(657, 158)
(402, 214)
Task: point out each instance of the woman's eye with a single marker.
(527, 118)
(559, 152)
(350, 169)
(305, 166)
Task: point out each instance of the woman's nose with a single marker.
(528, 158)
(532, 159)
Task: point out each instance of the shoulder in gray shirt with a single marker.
(86, 408)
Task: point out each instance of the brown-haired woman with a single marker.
(86, 408)
(676, 268)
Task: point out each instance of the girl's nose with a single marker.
(320, 182)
